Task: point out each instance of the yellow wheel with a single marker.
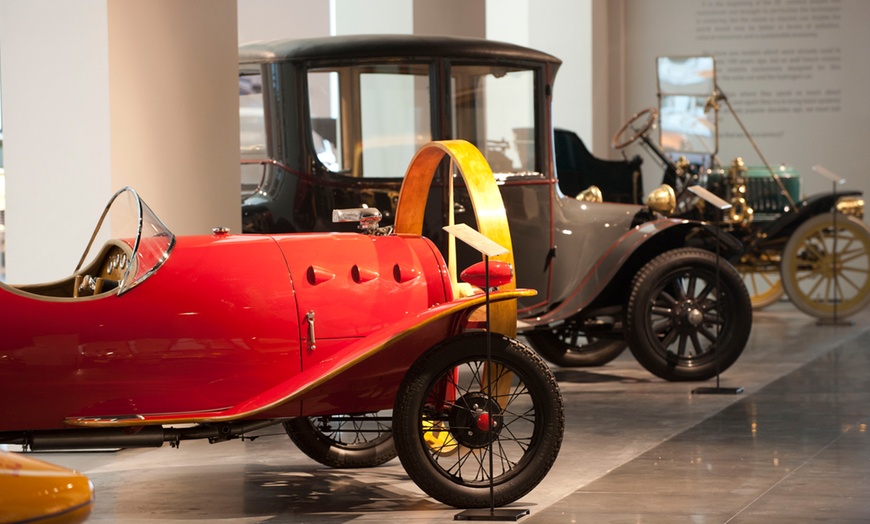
(438, 438)
(824, 272)
(761, 275)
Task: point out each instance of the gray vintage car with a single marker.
(333, 123)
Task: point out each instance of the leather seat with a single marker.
(577, 169)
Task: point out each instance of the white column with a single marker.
(173, 78)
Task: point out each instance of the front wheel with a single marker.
(827, 271)
(689, 315)
(455, 415)
(361, 440)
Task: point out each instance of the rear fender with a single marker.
(785, 224)
(608, 282)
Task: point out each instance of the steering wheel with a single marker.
(638, 124)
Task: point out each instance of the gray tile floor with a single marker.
(793, 447)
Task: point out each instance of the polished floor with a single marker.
(794, 446)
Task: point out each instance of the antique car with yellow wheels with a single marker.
(159, 338)
(815, 250)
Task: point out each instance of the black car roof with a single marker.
(378, 46)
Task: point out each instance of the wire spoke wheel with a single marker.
(826, 269)
(450, 425)
(359, 440)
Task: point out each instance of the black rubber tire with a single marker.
(676, 326)
(322, 439)
(529, 413)
(567, 347)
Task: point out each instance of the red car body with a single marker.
(217, 339)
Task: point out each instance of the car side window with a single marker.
(493, 107)
(369, 121)
(252, 122)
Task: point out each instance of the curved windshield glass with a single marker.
(128, 219)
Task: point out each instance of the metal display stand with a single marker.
(835, 181)
(488, 248)
(722, 206)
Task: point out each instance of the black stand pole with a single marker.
(501, 514)
(718, 390)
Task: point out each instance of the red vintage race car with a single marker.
(157, 338)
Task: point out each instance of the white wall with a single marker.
(278, 19)
(56, 132)
(373, 16)
(796, 72)
(564, 29)
(568, 36)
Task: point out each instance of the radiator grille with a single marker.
(764, 195)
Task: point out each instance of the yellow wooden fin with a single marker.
(486, 200)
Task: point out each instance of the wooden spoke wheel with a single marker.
(761, 275)
(826, 269)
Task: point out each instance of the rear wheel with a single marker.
(450, 425)
(761, 276)
(567, 345)
(681, 324)
(361, 440)
(823, 271)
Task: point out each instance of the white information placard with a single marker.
(476, 240)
